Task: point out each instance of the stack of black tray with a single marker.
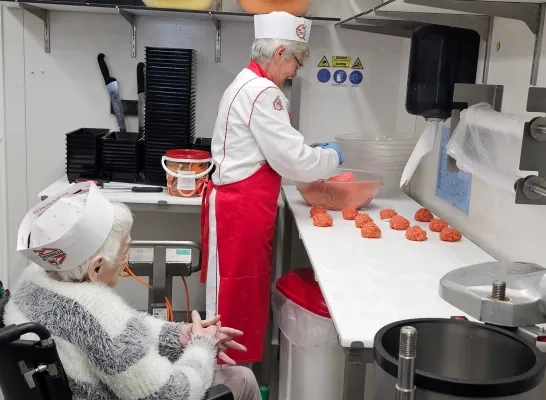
(202, 144)
(122, 156)
(84, 153)
(169, 121)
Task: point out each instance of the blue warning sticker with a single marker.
(356, 78)
(340, 76)
(323, 75)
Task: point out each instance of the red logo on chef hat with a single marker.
(55, 257)
(301, 31)
(277, 104)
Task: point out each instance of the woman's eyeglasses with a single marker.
(298, 61)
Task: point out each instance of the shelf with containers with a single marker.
(401, 17)
(41, 9)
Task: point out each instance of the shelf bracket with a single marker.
(526, 12)
(131, 19)
(218, 26)
(401, 24)
(478, 23)
(44, 16)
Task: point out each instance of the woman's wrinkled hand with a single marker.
(224, 336)
(197, 328)
(185, 334)
(225, 340)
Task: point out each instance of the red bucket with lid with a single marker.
(187, 171)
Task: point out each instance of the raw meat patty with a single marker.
(399, 223)
(416, 234)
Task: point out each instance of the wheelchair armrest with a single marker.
(219, 392)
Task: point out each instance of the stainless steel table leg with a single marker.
(356, 358)
(288, 222)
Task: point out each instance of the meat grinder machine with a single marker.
(461, 359)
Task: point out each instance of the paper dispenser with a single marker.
(440, 57)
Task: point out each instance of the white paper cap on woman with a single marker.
(67, 228)
(281, 25)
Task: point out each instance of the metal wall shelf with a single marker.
(41, 10)
(401, 17)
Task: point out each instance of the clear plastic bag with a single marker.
(302, 327)
(487, 144)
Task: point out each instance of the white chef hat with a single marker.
(67, 228)
(281, 25)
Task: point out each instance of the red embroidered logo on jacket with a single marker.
(301, 31)
(277, 104)
(54, 257)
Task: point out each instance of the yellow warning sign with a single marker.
(341, 62)
(357, 64)
(324, 63)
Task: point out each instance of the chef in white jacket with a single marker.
(253, 147)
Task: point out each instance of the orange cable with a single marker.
(170, 311)
(170, 314)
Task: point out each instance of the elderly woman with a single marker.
(78, 243)
(253, 146)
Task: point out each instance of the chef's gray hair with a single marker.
(264, 49)
(123, 221)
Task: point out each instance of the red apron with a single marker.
(245, 213)
(245, 227)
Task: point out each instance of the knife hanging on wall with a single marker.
(113, 91)
(141, 95)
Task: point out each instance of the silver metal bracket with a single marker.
(389, 30)
(538, 44)
(536, 99)
(402, 24)
(159, 274)
(28, 373)
(469, 289)
(44, 16)
(466, 95)
(131, 19)
(218, 46)
(532, 188)
(532, 14)
(478, 23)
(161, 269)
(526, 12)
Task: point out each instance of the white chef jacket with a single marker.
(253, 127)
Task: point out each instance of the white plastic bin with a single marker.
(311, 359)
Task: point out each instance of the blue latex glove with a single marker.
(330, 145)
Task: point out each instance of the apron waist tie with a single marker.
(205, 229)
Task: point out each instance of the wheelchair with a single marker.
(32, 370)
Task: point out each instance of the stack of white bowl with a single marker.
(386, 157)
